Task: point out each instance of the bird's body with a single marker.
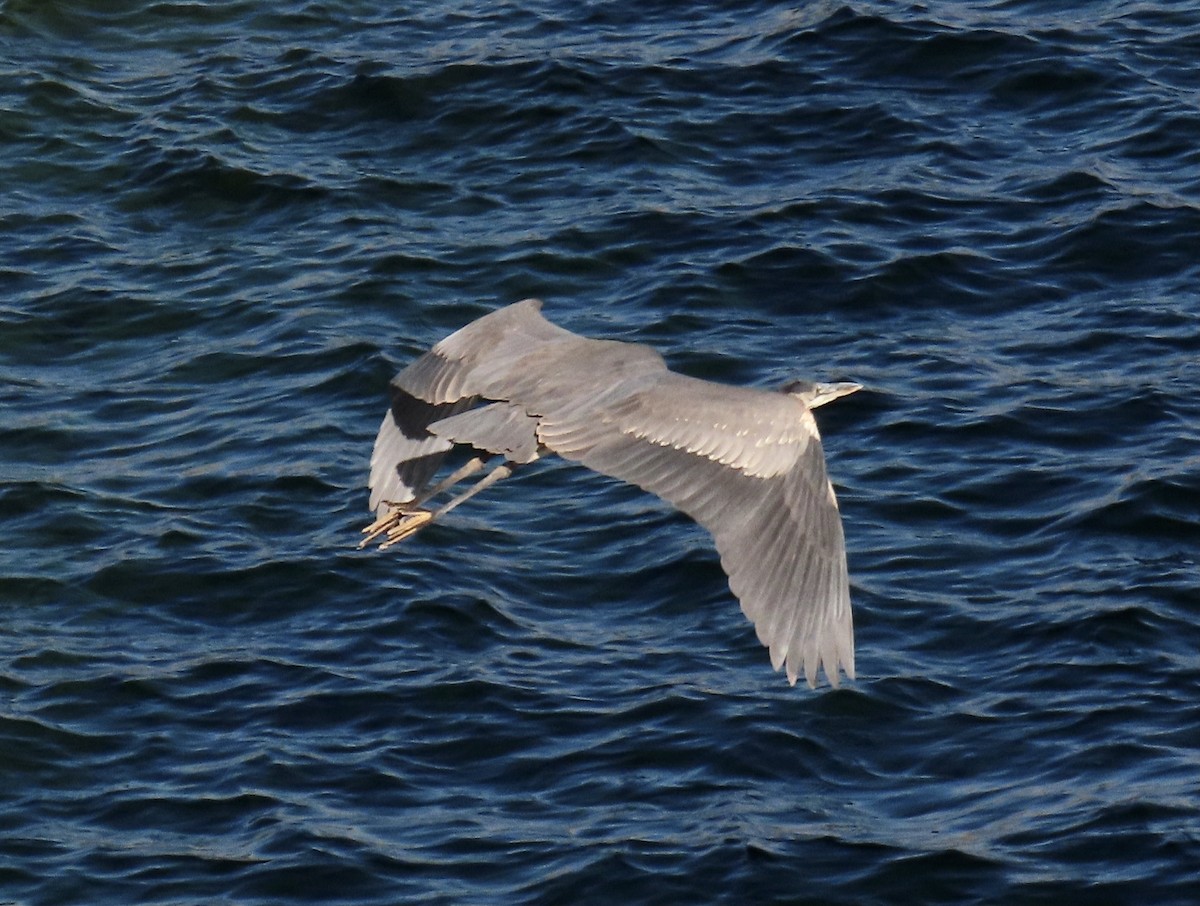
(745, 463)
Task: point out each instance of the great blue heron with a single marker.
(745, 463)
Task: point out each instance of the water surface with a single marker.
(224, 227)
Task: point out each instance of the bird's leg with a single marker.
(410, 523)
(466, 470)
(396, 512)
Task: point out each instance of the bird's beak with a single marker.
(827, 393)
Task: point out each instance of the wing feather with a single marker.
(755, 431)
(501, 428)
(779, 537)
(460, 365)
(440, 384)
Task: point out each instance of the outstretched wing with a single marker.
(512, 354)
(748, 466)
(442, 383)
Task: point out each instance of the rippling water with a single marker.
(224, 226)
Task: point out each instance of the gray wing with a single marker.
(462, 364)
(511, 354)
(748, 466)
(437, 385)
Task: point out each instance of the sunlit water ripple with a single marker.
(225, 226)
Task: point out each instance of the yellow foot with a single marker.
(379, 526)
(406, 524)
(388, 521)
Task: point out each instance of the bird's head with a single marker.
(816, 393)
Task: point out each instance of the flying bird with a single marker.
(744, 463)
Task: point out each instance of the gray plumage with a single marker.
(746, 464)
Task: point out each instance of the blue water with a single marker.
(223, 227)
